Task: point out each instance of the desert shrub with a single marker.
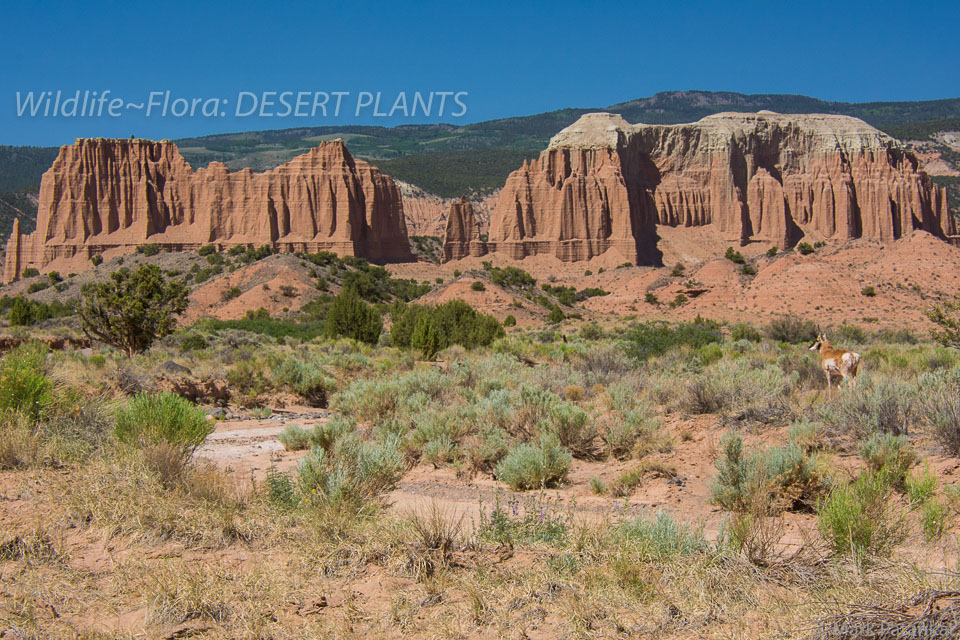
(307, 379)
(352, 474)
(30, 272)
(433, 329)
(132, 309)
(856, 517)
(37, 286)
(733, 256)
(24, 385)
(193, 342)
(772, 252)
(890, 456)
(151, 249)
(351, 317)
(622, 432)
(748, 270)
(529, 466)
(744, 332)
(230, 294)
(935, 519)
(280, 489)
(591, 331)
(162, 419)
(487, 448)
(206, 250)
(96, 259)
(869, 292)
(477, 285)
(654, 338)
(294, 438)
(662, 537)
(805, 248)
(877, 404)
(259, 321)
(573, 429)
(765, 481)
(510, 277)
(847, 333)
(920, 487)
(326, 434)
(748, 391)
(678, 301)
(946, 317)
(651, 298)
(510, 321)
(939, 407)
(556, 315)
(792, 329)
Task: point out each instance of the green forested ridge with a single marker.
(435, 156)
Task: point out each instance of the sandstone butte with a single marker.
(603, 184)
(105, 196)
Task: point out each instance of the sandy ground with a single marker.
(246, 447)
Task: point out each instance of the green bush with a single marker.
(890, 456)
(193, 342)
(511, 277)
(655, 338)
(869, 292)
(939, 407)
(352, 474)
(294, 438)
(935, 518)
(748, 270)
(733, 256)
(805, 248)
(772, 252)
(510, 321)
(30, 272)
(651, 298)
(131, 309)
(766, 481)
(529, 466)
(24, 386)
(877, 404)
(857, 518)
(476, 285)
(792, 329)
(662, 537)
(351, 317)
(307, 379)
(206, 250)
(556, 315)
(744, 332)
(433, 329)
(921, 487)
(591, 331)
(164, 418)
(260, 322)
(96, 259)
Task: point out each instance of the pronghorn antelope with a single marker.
(840, 362)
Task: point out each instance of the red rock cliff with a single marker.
(604, 184)
(103, 195)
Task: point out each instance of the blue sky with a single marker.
(511, 58)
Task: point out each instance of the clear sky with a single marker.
(511, 58)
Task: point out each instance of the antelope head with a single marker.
(821, 339)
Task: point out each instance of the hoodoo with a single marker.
(102, 195)
(603, 184)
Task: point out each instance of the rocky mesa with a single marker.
(105, 196)
(604, 185)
